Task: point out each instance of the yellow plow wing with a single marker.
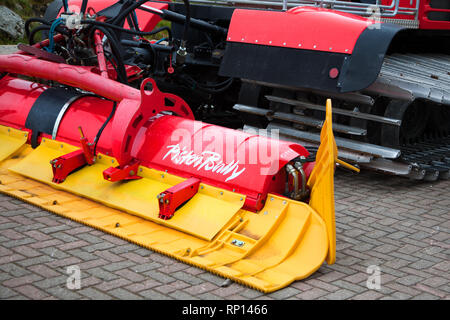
(286, 241)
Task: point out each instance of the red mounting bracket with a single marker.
(129, 118)
(175, 196)
(66, 164)
(127, 172)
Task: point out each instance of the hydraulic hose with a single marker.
(187, 21)
(115, 47)
(83, 7)
(135, 32)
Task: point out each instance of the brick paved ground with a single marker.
(402, 227)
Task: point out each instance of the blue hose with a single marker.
(51, 45)
(160, 40)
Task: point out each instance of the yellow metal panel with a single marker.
(11, 140)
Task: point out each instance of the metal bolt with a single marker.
(256, 40)
(140, 170)
(202, 187)
(234, 190)
(221, 193)
(240, 219)
(162, 176)
(242, 199)
(284, 202)
(112, 161)
(266, 212)
(43, 140)
(131, 173)
(99, 156)
(271, 199)
(188, 250)
(61, 145)
(117, 225)
(299, 44)
(284, 43)
(55, 202)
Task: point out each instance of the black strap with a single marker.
(45, 111)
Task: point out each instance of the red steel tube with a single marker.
(74, 76)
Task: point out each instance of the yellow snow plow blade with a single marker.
(267, 250)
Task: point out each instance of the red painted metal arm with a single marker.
(175, 196)
(74, 76)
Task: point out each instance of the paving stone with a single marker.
(113, 284)
(189, 278)
(340, 294)
(208, 286)
(312, 294)
(143, 285)
(104, 275)
(153, 295)
(284, 293)
(51, 282)
(94, 294)
(180, 295)
(63, 293)
(130, 275)
(171, 287)
(19, 281)
(123, 294)
(118, 265)
(31, 292)
(160, 277)
(6, 293)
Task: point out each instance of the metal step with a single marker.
(347, 155)
(307, 121)
(352, 145)
(353, 114)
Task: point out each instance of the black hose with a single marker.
(34, 31)
(135, 32)
(45, 22)
(115, 47)
(31, 20)
(83, 7)
(187, 21)
(127, 11)
(100, 131)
